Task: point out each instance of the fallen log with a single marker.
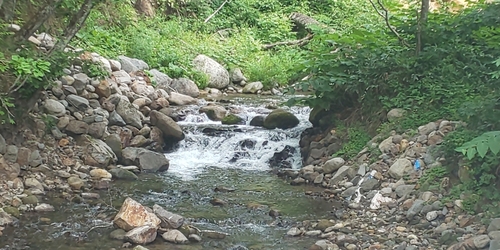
(300, 42)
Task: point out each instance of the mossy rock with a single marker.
(232, 119)
(12, 211)
(280, 118)
(123, 174)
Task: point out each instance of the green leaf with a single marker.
(471, 152)
(494, 144)
(482, 148)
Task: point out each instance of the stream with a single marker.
(227, 163)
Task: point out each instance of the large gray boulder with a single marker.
(53, 107)
(218, 75)
(170, 129)
(128, 112)
(161, 79)
(98, 153)
(132, 64)
(181, 99)
(186, 87)
(145, 159)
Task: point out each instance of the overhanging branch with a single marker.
(385, 15)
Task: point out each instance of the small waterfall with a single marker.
(212, 144)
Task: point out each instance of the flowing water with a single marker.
(214, 162)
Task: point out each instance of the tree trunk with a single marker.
(75, 24)
(422, 20)
(34, 23)
(145, 7)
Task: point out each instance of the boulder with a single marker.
(78, 102)
(169, 128)
(141, 235)
(145, 159)
(132, 214)
(103, 89)
(258, 121)
(253, 87)
(131, 64)
(98, 153)
(128, 112)
(232, 119)
(395, 114)
(123, 174)
(400, 167)
(161, 80)
(121, 76)
(8, 171)
(186, 87)
(77, 127)
(180, 99)
(280, 118)
(237, 76)
(168, 219)
(214, 112)
(333, 165)
(174, 236)
(218, 75)
(53, 107)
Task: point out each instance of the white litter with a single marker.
(378, 199)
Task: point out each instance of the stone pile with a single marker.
(141, 225)
(379, 202)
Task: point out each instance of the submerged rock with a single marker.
(232, 119)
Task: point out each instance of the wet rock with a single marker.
(123, 174)
(5, 219)
(30, 200)
(281, 159)
(214, 234)
(174, 236)
(280, 118)
(132, 214)
(169, 128)
(194, 238)
(12, 211)
(141, 235)
(258, 121)
(214, 112)
(218, 75)
(44, 207)
(294, 232)
(145, 159)
(118, 234)
(168, 219)
(232, 119)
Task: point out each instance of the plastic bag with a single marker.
(378, 199)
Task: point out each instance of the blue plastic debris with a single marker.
(417, 165)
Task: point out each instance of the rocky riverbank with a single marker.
(85, 132)
(383, 202)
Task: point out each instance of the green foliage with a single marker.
(356, 139)
(94, 69)
(29, 67)
(489, 141)
(431, 179)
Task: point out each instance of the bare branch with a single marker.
(215, 12)
(385, 15)
(301, 42)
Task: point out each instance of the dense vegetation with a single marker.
(371, 57)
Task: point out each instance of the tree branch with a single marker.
(215, 12)
(301, 42)
(385, 15)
